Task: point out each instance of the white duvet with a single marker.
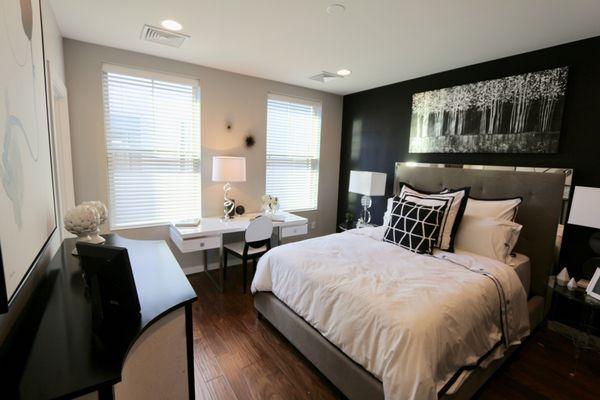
(411, 320)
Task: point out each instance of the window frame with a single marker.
(304, 101)
(154, 75)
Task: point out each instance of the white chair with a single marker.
(257, 242)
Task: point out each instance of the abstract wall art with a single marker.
(515, 114)
(26, 187)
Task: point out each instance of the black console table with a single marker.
(64, 358)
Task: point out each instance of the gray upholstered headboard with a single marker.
(539, 212)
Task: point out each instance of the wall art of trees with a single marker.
(516, 114)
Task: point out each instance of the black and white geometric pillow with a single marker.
(456, 201)
(413, 226)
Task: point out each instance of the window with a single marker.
(293, 144)
(152, 124)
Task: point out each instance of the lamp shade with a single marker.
(229, 169)
(585, 207)
(367, 183)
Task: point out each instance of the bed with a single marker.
(380, 321)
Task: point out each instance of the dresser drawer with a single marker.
(204, 243)
(296, 230)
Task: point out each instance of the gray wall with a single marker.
(225, 96)
(53, 52)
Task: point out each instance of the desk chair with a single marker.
(257, 242)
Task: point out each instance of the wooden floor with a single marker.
(239, 357)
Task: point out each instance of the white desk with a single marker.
(209, 235)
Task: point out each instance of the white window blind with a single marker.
(293, 145)
(152, 126)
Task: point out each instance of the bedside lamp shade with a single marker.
(367, 183)
(585, 207)
(229, 169)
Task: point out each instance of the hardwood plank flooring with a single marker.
(240, 357)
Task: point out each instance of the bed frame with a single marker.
(539, 214)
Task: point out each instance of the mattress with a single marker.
(408, 319)
(522, 266)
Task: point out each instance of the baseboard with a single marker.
(194, 269)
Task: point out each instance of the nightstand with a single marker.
(577, 310)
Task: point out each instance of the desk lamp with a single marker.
(228, 169)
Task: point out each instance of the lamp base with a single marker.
(91, 237)
(228, 204)
(365, 217)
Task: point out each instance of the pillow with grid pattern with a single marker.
(413, 226)
(456, 201)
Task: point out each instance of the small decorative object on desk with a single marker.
(270, 204)
(240, 210)
(563, 277)
(85, 220)
(187, 223)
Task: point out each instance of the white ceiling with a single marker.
(381, 41)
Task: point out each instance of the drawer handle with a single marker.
(201, 244)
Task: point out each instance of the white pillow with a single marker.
(502, 209)
(452, 199)
(388, 212)
(490, 237)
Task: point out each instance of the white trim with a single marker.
(295, 99)
(62, 162)
(148, 74)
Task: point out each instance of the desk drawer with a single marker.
(296, 230)
(204, 243)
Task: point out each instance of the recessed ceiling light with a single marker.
(171, 25)
(336, 9)
(344, 72)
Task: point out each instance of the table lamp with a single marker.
(585, 211)
(368, 184)
(228, 169)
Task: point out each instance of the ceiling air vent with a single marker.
(325, 77)
(162, 36)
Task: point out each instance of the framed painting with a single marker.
(515, 114)
(26, 189)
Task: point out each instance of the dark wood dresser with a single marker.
(55, 352)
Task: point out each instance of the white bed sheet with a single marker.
(411, 320)
(522, 266)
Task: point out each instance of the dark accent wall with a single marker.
(376, 127)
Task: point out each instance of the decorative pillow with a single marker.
(490, 237)
(505, 209)
(455, 201)
(388, 211)
(414, 227)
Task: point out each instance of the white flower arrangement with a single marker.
(270, 204)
